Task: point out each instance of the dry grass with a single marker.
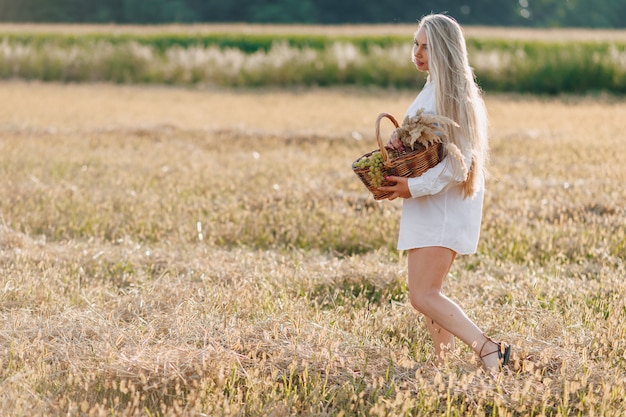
(289, 298)
(562, 34)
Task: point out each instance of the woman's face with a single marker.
(420, 50)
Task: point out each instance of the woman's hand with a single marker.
(399, 189)
(394, 142)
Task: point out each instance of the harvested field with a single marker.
(171, 251)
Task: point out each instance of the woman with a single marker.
(442, 209)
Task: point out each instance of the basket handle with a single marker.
(382, 148)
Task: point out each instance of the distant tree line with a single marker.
(533, 13)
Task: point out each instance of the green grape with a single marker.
(363, 162)
(376, 173)
(375, 164)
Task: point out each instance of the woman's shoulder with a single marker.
(424, 100)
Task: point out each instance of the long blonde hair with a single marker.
(458, 97)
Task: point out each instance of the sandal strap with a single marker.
(491, 353)
(503, 350)
(498, 350)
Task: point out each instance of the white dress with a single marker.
(437, 214)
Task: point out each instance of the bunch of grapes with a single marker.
(375, 164)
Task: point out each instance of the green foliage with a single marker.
(537, 13)
(237, 59)
(550, 67)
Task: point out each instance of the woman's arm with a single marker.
(430, 182)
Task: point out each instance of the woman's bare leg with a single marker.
(427, 269)
(442, 339)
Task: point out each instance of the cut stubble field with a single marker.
(171, 251)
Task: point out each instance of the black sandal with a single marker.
(503, 351)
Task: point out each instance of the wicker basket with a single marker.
(410, 165)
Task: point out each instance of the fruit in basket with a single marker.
(376, 169)
(375, 164)
(418, 134)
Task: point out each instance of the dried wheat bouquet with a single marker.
(422, 130)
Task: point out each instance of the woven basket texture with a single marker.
(409, 165)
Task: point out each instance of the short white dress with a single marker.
(437, 214)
